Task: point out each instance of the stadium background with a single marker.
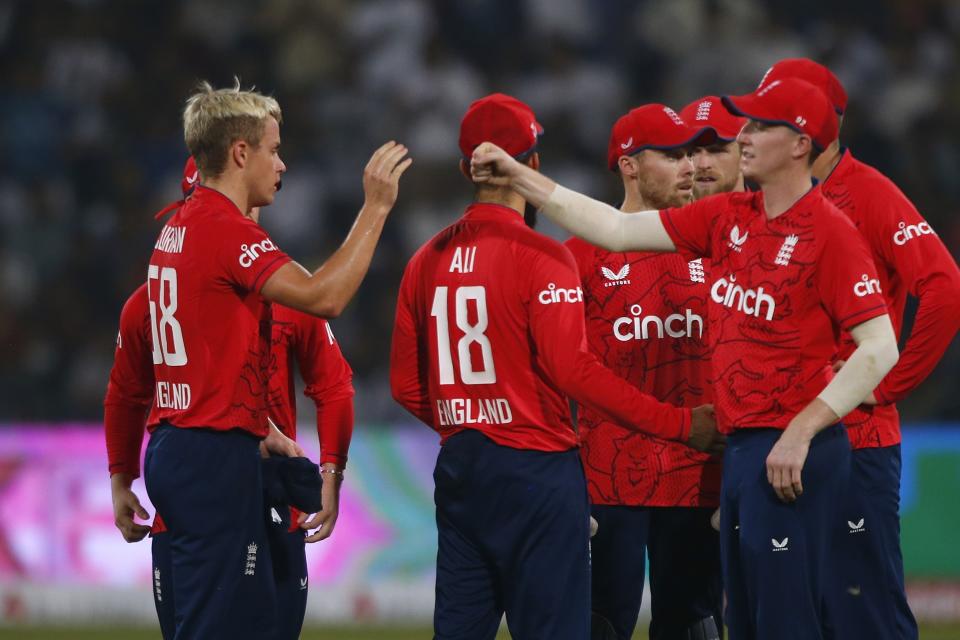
(91, 146)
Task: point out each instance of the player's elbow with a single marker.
(326, 307)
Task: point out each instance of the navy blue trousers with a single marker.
(685, 578)
(513, 537)
(207, 486)
(775, 555)
(867, 598)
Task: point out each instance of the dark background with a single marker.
(91, 145)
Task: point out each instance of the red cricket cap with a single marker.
(709, 117)
(792, 103)
(502, 120)
(652, 126)
(191, 177)
(814, 73)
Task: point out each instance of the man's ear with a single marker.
(465, 170)
(534, 161)
(627, 166)
(239, 153)
(802, 145)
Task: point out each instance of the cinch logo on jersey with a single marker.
(736, 240)
(617, 278)
(748, 301)
(675, 325)
(552, 295)
(909, 232)
(251, 253)
(866, 286)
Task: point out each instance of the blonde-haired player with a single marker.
(211, 278)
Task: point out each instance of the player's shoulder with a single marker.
(138, 302)
(579, 247)
(868, 183)
(136, 311)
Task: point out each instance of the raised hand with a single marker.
(381, 176)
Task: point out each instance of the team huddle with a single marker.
(728, 334)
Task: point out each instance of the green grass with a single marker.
(927, 632)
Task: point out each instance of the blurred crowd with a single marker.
(92, 145)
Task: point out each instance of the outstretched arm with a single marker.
(594, 221)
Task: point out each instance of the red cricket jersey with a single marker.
(211, 328)
(781, 291)
(305, 338)
(306, 342)
(489, 335)
(910, 258)
(646, 317)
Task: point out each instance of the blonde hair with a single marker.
(216, 118)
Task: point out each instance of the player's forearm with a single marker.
(326, 292)
(935, 325)
(875, 355)
(590, 383)
(337, 280)
(602, 225)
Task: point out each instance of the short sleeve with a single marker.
(846, 275)
(248, 256)
(690, 226)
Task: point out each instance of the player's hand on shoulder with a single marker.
(381, 177)
(703, 431)
(492, 165)
(126, 505)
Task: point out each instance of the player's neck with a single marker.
(828, 161)
(782, 191)
(503, 197)
(633, 201)
(230, 185)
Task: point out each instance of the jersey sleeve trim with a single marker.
(862, 316)
(269, 270)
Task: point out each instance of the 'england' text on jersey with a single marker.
(173, 395)
(474, 411)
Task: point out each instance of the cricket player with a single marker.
(788, 273)
(715, 151)
(868, 598)
(298, 341)
(646, 317)
(210, 279)
(488, 343)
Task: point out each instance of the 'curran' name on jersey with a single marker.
(748, 301)
(474, 411)
(171, 239)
